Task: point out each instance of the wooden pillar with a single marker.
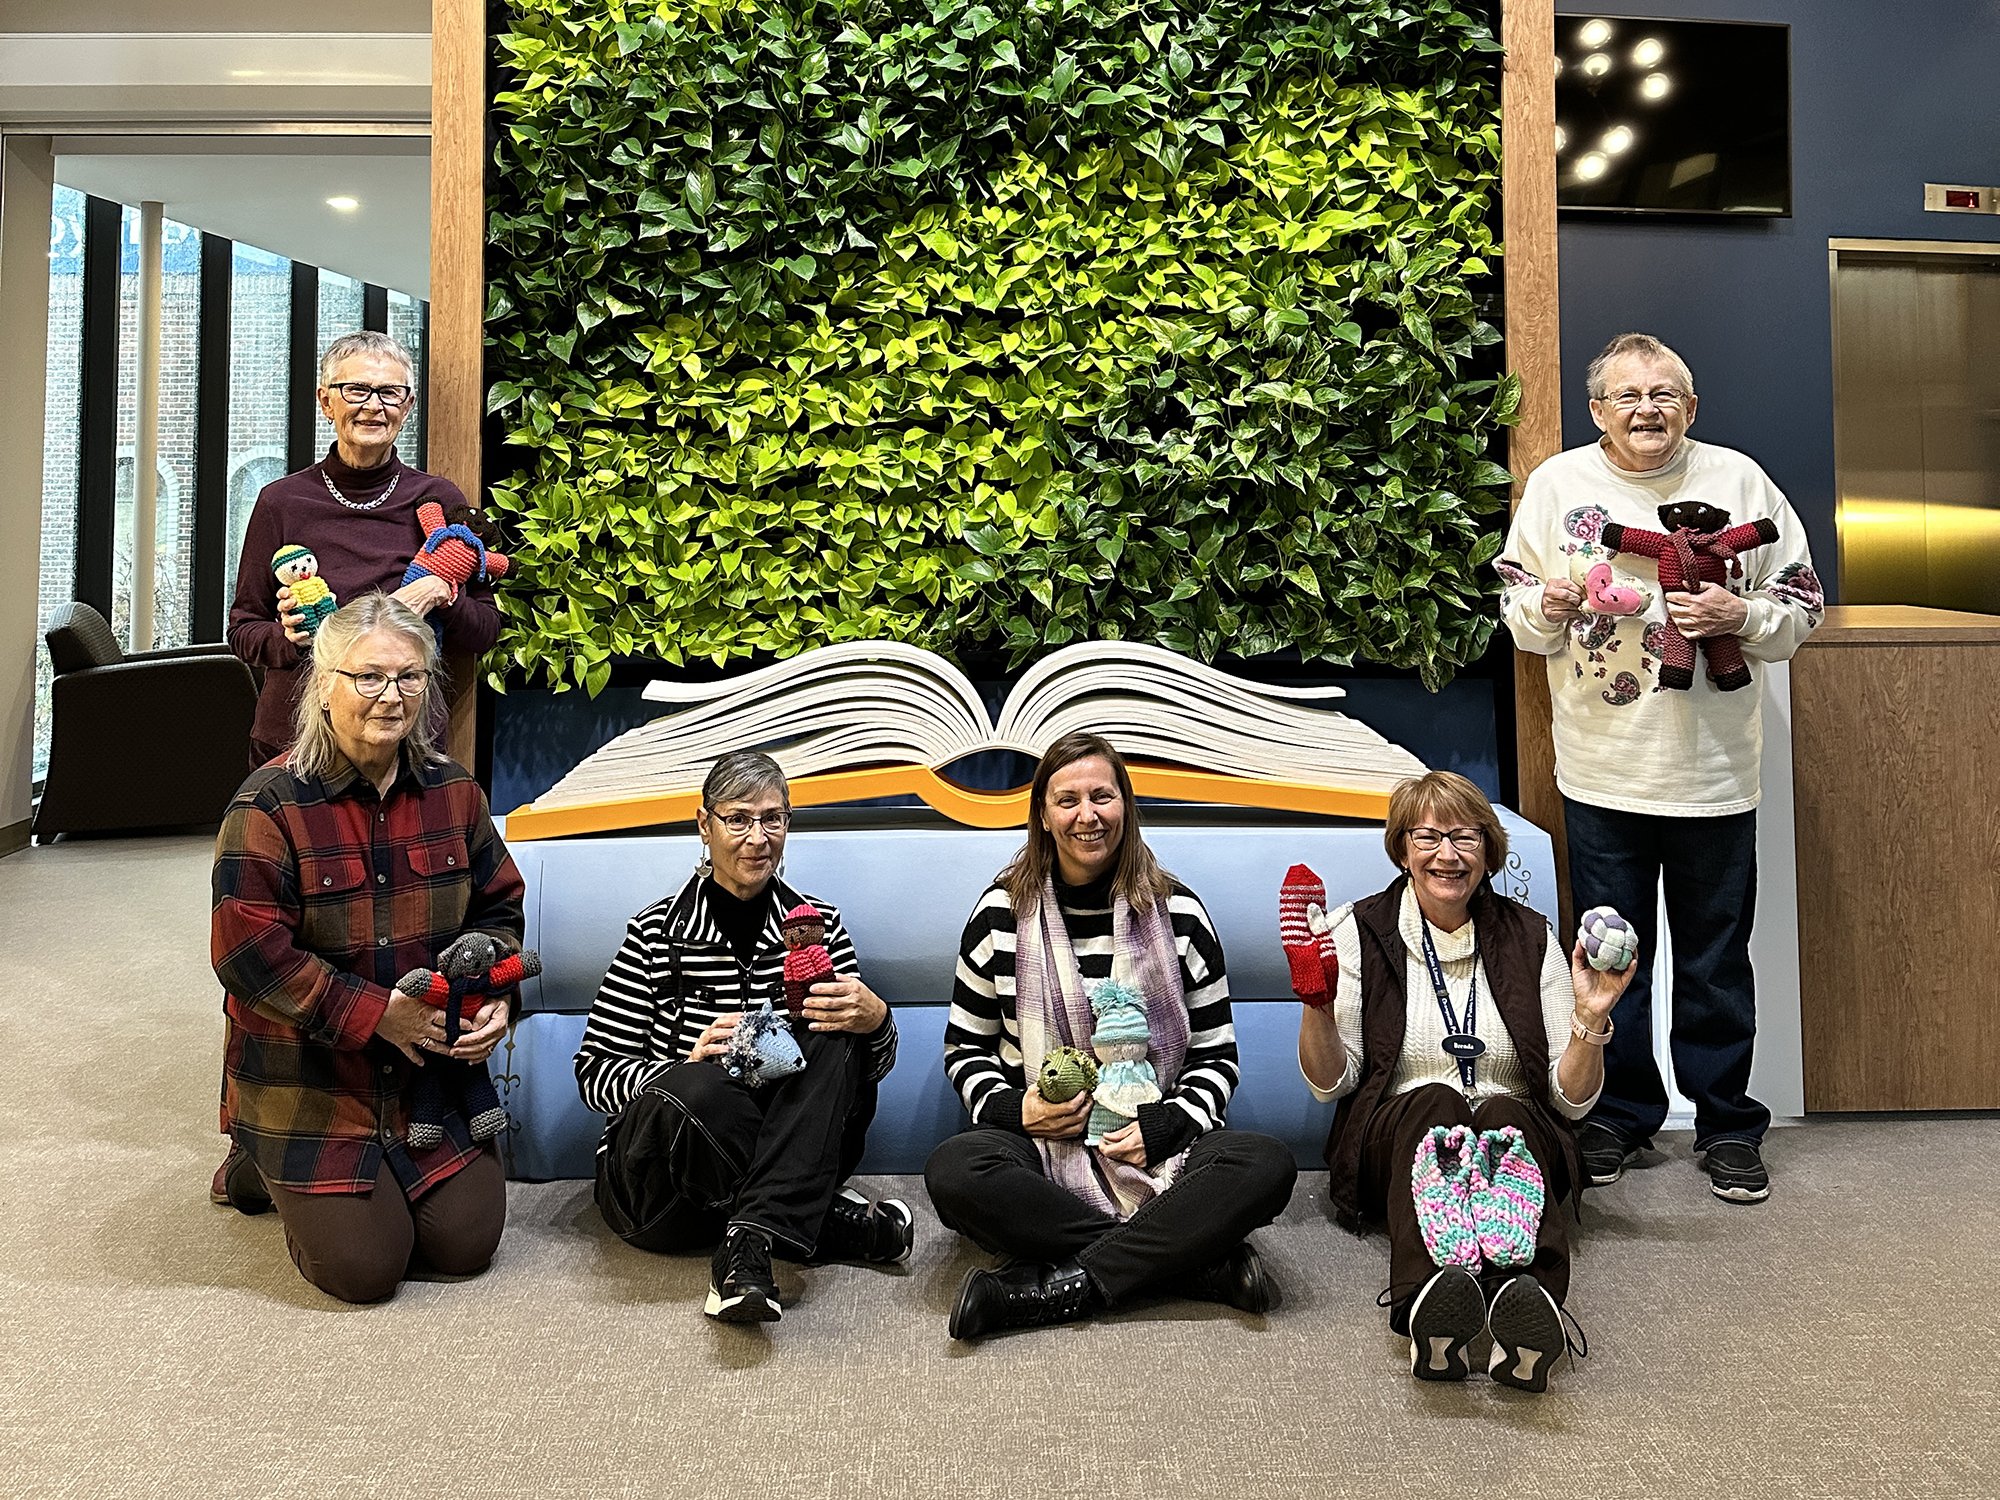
(456, 397)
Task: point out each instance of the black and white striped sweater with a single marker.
(642, 1023)
(982, 1039)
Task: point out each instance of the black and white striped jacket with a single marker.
(674, 974)
(982, 1039)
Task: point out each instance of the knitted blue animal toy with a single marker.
(1125, 1079)
(762, 1049)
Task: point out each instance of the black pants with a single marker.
(990, 1187)
(1388, 1147)
(697, 1151)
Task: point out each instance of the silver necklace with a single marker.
(360, 504)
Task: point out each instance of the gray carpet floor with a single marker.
(1837, 1341)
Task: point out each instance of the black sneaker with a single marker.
(1736, 1171)
(879, 1233)
(741, 1288)
(1527, 1335)
(1604, 1152)
(1446, 1316)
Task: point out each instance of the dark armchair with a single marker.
(160, 739)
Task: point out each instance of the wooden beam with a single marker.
(456, 363)
(1534, 347)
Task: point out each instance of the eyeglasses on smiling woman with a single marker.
(1464, 840)
(740, 823)
(357, 393)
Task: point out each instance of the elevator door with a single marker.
(1916, 336)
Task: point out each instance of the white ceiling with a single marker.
(273, 195)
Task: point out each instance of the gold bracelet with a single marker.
(1594, 1038)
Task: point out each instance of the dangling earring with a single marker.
(703, 865)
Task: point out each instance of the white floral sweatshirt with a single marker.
(1622, 741)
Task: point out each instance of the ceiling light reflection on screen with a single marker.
(1656, 86)
(1562, 138)
(1596, 65)
(1616, 140)
(1591, 165)
(1595, 33)
(1648, 53)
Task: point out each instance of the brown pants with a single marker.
(1389, 1146)
(359, 1246)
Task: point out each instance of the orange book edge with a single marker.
(976, 809)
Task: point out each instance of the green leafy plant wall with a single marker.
(995, 326)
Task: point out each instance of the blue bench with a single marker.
(904, 889)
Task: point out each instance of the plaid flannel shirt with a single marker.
(325, 894)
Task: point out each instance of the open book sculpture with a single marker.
(882, 719)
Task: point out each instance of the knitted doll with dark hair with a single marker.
(1699, 546)
(807, 962)
(469, 973)
(298, 570)
(458, 548)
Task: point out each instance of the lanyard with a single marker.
(1459, 1042)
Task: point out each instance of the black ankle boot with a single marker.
(1238, 1280)
(1021, 1297)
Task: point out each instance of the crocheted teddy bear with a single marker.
(1699, 546)
(807, 962)
(1125, 1079)
(469, 973)
(298, 570)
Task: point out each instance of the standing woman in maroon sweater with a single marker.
(356, 509)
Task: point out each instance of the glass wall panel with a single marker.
(339, 313)
(406, 327)
(260, 310)
(61, 420)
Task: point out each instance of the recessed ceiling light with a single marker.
(1618, 138)
(1595, 33)
(343, 204)
(1648, 52)
(1656, 86)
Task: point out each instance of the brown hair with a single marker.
(1453, 801)
(1137, 876)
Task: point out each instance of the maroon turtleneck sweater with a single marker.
(359, 552)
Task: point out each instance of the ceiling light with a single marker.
(1595, 33)
(343, 204)
(1562, 138)
(1596, 65)
(1656, 86)
(1559, 65)
(1591, 165)
(1648, 52)
(1617, 139)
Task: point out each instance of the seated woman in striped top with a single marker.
(1057, 1187)
(1461, 1042)
(695, 1155)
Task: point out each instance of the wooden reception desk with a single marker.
(1896, 769)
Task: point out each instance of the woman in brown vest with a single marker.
(1456, 1007)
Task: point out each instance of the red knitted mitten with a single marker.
(1302, 895)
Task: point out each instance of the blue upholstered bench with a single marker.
(904, 889)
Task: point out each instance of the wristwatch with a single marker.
(1594, 1038)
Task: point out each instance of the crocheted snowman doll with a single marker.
(298, 570)
(1125, 1078)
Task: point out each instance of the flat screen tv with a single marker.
(1673, 117)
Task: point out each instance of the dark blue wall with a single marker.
(1885, 97)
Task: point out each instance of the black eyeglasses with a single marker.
(1465, 840)
(356, 393)
(739, 823)
(374, 684)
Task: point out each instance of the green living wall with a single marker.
(994, 326)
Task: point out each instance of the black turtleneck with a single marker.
(742, 922)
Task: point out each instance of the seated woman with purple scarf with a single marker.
(1083, 942)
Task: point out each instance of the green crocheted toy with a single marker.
(1066, 1072)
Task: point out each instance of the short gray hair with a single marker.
(1642, 344)
(314, 750)
(741, 775)
(366, 342)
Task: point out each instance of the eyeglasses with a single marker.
(1663, 398)
(1464, 840)
(356, 393)
(374, 684)
(739, 824)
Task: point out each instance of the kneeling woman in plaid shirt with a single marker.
(362, 855)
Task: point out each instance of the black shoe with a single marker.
(1021, 1297)
(1445, 1318)
(1238, 1280)
(741, 1288)
(238, 1184)
(881, 1233)
(1736, 1171)
(1604, 1152)
(1527, 1335)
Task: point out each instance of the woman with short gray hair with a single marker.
(702, 1148)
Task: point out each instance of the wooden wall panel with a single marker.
(1895, 751)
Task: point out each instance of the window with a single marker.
(406, 327)
(339, 314)
(61, 420)
(260, 310)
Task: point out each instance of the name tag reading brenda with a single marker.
(1463, 1046)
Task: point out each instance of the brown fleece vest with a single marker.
(1512, 940)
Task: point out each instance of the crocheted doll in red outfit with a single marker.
(807, 962)
(458, 547)
(470, 972)
(1699, 546)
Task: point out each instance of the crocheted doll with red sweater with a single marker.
(469, 973)
(458, 547)
(1699, 546)
(807, 962)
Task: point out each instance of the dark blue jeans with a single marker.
(1709, 868)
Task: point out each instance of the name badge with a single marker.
(1463, 1045)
